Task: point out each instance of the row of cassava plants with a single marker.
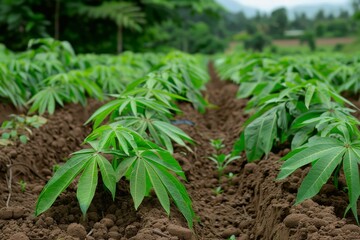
(50, 73)
(294, 102)
(134, 130)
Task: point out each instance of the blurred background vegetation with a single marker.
(204, 26)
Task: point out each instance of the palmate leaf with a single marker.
(157, 128)
(326, 154)
(87, 185)
(128, 104)
(115, 136)
(138, 182)
(86, 161)
(46, 100)
(59, 182)
(159, 187)
(260, 134)
(351, 171)
(152, 168)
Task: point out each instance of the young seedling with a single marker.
(231, 175)
(217, 144)
(22, 185)
(18, 128)
(218, 191)
(222, 161)
(55, 168)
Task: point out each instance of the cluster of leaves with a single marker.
(50, 73)
(138, 139)
(18, 128)
(250, 69)
(220, 159)
(296, 102)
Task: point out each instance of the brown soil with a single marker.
(252, 205)
(6, 110)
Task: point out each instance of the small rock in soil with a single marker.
(12, 154)
(293, 220)
(107, 222)
(37, 189)
(40, 223)
(230, 231)
(76, 230)
(250, 167)
(244, 237)
(46, 172)
(319, 222)
(351, 228)
(49, 221)
(111, 216)
(99, 233)
(180, 232)
(93, 216)
(114, 235)
(19, 236)
(131, 231)
(7, 213)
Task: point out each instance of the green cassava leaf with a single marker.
(159, 188)
(107, 174)
(138, 182)
(60, 181)
(260, 135)
(87, 185)
(351, 171)
(178, 193)
(319, 174)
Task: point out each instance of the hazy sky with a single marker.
(271, 4)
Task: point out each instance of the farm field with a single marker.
(123, 149)
(319, 42)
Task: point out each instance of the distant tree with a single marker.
(278, 21)
(320, 15)
(356, 8)
(330, 16)
(20, 22)
(320, 30)
(310, 39)
(344, 14)
(123, 14)
(257, 42)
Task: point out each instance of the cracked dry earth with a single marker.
(252, 205)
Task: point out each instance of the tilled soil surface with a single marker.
(251, 205)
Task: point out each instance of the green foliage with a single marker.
(218, 191)
(22, 186)
(134, 133)
(217, 144)
(326, 154)
(222, 161)
(297, 102)
(122, 13)
(18, 128)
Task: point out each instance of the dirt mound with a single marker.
(50, 144)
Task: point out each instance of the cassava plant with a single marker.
(298, 102)
(221, 160)
(137, 137)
